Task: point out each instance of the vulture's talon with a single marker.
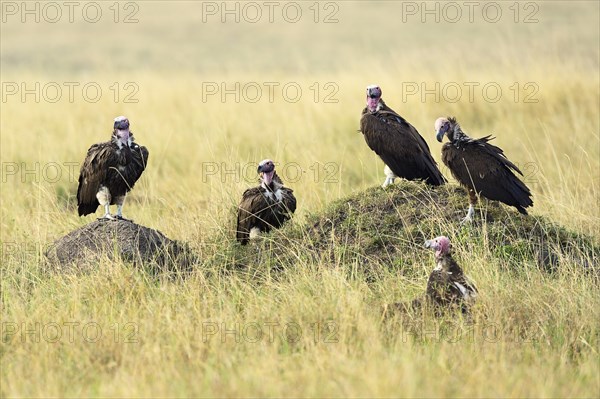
(466, 220)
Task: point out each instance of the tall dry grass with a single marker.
(157, 336)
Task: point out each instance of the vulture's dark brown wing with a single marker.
(483, 167)
(464, 283)
(459, 280)
(139, 161)
(400, 146)
(250, 213)
(128, 165)
(289, 201)
(440, 290)
(92, 173)
(256, 210)
(278, 211)
(445, 289)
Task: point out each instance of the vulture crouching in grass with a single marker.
(447, 286)
(481, 167)
(110, 171)
(266, 206)
(400, 146)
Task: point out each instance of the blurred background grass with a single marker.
(200, 148)
(176, 49)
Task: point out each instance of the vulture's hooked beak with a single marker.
(266, 168)
(440, 135)
(122, 124)
(431, 244)
(266, 172)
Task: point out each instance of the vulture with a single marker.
(481, 167)
(447, 286)
(266, 206)
(400, 146)
(110, 171)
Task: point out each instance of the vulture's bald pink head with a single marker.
(373, 97)
(266, 170)
(440, 244)
(441, 126)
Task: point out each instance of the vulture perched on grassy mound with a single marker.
(266, 206)
(447, 286)
(110, 171)
(400, 146)
(481, 167)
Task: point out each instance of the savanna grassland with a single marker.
(314, 326)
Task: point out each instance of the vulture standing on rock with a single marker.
(266, 206)
(110, 171)
(481, 167)
(400, 146)
(447, 285)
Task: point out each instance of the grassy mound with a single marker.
(82, 249)
(383, 230)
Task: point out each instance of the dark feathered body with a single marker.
(264, 208)
(483, 168)
(112, 165)
(399, 145)
(447, 284)
(447, 287)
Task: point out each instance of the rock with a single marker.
(146, 248)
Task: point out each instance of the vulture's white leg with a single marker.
(103, 196)
(119, 201)
(472, 202)
(470, 213)
(254, 233)
(389, 177)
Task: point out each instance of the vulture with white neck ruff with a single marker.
(481, 167)
(110, 171)
(400, 146)
(266, 206)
